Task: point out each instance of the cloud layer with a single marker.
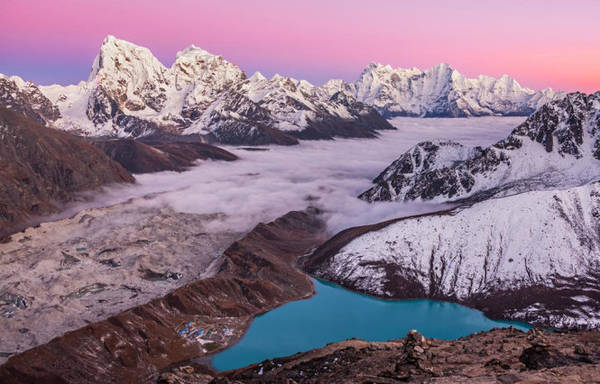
(264, 185)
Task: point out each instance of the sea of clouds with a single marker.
(264, 185)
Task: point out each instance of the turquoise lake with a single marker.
(336, 314)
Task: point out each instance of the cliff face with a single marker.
(257, 273)
(42, 167)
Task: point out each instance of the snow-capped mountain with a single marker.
(130, 93)
(440, 91)
(534, 256)
(559, 145)
(26, 98)
(294, 107)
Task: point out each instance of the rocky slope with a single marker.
(156, 156)
(131, 94)
(255, 274)
(504, 356)
(440, 91)
(42, 167)
(532, 257)
(559, 145)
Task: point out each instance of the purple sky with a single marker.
(540, 43)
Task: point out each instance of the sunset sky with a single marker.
(539, 43)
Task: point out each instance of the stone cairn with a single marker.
(416, 357)
(541, 354)
(415, 346)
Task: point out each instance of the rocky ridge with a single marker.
(160, 155)
(27, 99)
(504, 356)
(557, 146)
(40, 168)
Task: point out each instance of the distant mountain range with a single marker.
(440, 92)
(131, 94)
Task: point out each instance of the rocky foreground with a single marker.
(498, 356)
(503, 356)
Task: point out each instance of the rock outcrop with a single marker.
(156, 156)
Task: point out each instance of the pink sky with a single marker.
(539, 43)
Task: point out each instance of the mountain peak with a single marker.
(257, 76)
(442, 68)
(116, 54)
(111, 42)
(193, 50)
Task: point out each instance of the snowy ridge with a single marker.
(440, 91)
(559, 145)
(291, 106)
(130, 93)
(547, 240)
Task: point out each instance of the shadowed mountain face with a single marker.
(42, 167)
(27, 99)
(154, 156)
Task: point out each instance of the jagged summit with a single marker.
(193, 50)
(116, 53)
(559, 145)
(257, 76)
